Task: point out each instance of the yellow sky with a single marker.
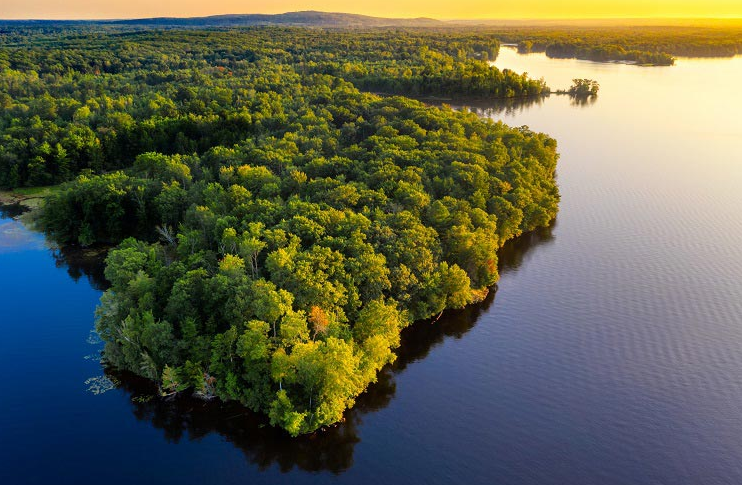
(443, 9)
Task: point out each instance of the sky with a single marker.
(441, 9)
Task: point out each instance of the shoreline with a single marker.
(142, 389)
(25, 202)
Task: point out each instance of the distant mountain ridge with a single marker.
(304, 18)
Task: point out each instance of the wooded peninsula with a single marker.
(276, 226)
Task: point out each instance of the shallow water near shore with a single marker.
(611, 352)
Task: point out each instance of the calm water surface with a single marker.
(611, 353)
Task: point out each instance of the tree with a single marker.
(319, 320)
(584, 87)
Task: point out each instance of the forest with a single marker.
(275, 226)
(653, 42)
(73, 101)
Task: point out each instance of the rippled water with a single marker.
(611, 353)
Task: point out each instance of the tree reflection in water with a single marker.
(582, 101)
(88, 262)
(489, 108)
(497, 108)
(330, 449)
(11, 211)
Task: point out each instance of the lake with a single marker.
(611, 352)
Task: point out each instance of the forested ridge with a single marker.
(276, 227)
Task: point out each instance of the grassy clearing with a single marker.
(28, 197)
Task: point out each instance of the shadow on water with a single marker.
(79, 262)
(495, 108)
(331, 449)
(489, 107)
(11, 211)
(582, 101)
(498, 107)
(512, 255)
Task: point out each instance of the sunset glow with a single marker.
(465, 9)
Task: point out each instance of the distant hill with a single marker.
(311, 18)
(307, 18)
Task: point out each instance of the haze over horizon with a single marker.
(464, 9)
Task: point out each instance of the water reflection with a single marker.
(513, 253)
(79, 262)
(14, 237)
(489, 107)
(497, 108)
(11, 211)
(88, 262)
(262, 444)
(331, 449)
(582, 101)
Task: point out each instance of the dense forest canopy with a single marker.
(641, 41)
(93, 101)
(277, 227)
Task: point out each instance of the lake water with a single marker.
(611, 353)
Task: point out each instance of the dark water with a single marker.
(611, 353)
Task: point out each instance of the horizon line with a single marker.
(418, 17)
